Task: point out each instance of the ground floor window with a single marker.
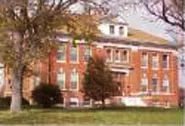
(144, 83)
(154, 82)
(74, 102)
(86, 102)
(165, 83)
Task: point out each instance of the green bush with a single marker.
(47, 95)
(6, 101)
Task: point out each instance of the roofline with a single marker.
(125, 42)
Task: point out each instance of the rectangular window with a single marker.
(165, 83)
(74, 54)
(61, 79)
(144, 82)
(121, 30)
(108, 55)
(61, 53)
(155, 61)
(154, 83)
(144, 60)
(87, 102)
(124, 56)
(116, 55)
(74, 79)
(165, 61)
(87, 53)
(112, 29)
(73, 102)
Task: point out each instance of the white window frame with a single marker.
(119, 55)
(128, 54)
(90, 49)
(155, 60)
(76, 99)
(65, 47)
(155, 76)
(64, 77)
(168, 61)
(168, 81)
(144, 77)
(111, 60)
(77, 86)
(77, 51)
(144, 67)
(120, 30)
(113, 29)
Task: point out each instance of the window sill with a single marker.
(58, 61)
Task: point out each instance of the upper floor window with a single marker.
(154, 82)
(144, 82)
(165, 61)
(87, 53)
(112, 29)
(155, 61)
(124, 56)
(144, 59)
(61, 53)
(116, 55)
(109, 55)
(121, 30)
(61, 78)
(74, 79)
(74, 54)
(166, 83)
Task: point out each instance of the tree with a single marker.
(170, 11)
(47, 95)
(98, 82)
(27, 33)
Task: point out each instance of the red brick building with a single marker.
(143, 65)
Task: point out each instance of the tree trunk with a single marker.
(16, 90)
(103, 103)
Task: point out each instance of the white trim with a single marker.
(119, 70)
(158, 49)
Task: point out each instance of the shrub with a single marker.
(6, 101)
(47, 95)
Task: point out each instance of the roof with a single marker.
(135, 34)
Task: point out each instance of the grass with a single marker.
(117, 116)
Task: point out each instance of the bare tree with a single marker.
(170, 11)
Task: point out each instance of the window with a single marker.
(155, 61)
(74, 54)
(87, 102)
(87, 53)
(154, 82)
(165, 83)
(144, 59)
(124, 56)
(121, 30)
(144, 82)
(61, 53)
(165, 61)
(61, 78)
(73, 102)
(112, 30)
(109, 55)
(116, 55)
(74, 79)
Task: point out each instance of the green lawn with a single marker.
(119, 116)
